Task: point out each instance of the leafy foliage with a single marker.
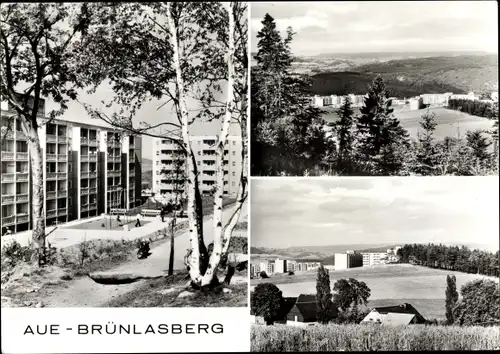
(266, 300)
(326, 310)
(350, 293)
(480, 302)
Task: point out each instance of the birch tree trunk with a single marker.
(37, 199)
(193, 219)
(211, 272)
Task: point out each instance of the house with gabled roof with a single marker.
(403, 314)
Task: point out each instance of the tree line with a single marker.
(474, 107)
(456, 258)
(289, 135)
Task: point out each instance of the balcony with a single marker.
(8, 199)
(22, 176)
(8, 177)
(93, 142)
(84, 158)
(93, 190)
(114, 159)
(85, 207)
(62, 138)
(21, 156)
(131, 159)
(84, 190)
(8, 135)
(20, 135)
(62, 175)
(51, 138)
(51, 195)
(7, 156)
(62, 211)
(62, 194)
(62, 157)
(84, 140)
(51, 175)
(51, 213)
(22, 219)
(84, 174)
(92, 206)
(51, 157)
(131, 173)
(9, 220)
(93, 157)
(92, 174)
(22, 198)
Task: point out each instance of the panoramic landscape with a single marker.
(320, 282)
(332, 100)
(105, 201)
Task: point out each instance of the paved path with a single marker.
(84, 292)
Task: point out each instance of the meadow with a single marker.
(390, 284)
(331, 337)
(450, 123)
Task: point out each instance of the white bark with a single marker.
(215, 257)
(194, 259)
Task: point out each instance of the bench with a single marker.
(150, 212)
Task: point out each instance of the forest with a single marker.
(473, 107)
(455, 258)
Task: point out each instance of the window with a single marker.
(157, 142)
(69, 184)
(199, 163)
(199, 153)
(232, 183)
(157, 153)
(157, 182)
(234, 142)
(234, 163)
(70, 167)
(157, 163)
(157, 173)
(234, 153)
(234, 173)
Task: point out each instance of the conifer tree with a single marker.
(451, 297)
(380, 136)
(426, 153)
(343, 129)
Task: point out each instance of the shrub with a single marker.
(291, 273)
(263, 275)
(13, 253)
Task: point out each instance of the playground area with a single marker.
(108, 223)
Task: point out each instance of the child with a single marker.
(138, 222)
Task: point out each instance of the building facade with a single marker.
(348, 260)
(75, 182)
(373, 258)
(280, 265)
(169, 167)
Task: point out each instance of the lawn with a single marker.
(450, 122)
(390, 284)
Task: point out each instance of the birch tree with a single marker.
(173, 52)
(37, 62)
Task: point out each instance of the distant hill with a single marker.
(411, 77)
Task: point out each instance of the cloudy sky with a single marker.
(337, 211)
(350, 27)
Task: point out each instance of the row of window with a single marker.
(225, 182)
(209, 142)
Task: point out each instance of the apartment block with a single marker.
(75, 174)
(280, 265)
(348, 260)
(374, 258)
(169, 167)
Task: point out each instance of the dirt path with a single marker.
(84, 292)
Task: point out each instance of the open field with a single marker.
(390, 284)
(450, 122)
(331, 338)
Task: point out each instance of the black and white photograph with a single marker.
(124, 154)
(374, 264)
(374, 88)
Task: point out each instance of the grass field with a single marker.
(390, 285)
(450, 122)
(280, 338)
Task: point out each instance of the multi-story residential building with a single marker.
(270, 268)
(74, 177)
(280, 265)
(169, 168)
(348, 260)
(374, 258)
(291, 266)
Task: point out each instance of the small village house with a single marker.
(403, 314)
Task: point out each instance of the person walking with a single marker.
(138, 222)
(162, 214)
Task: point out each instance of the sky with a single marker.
(390, 26)
(290, 212)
